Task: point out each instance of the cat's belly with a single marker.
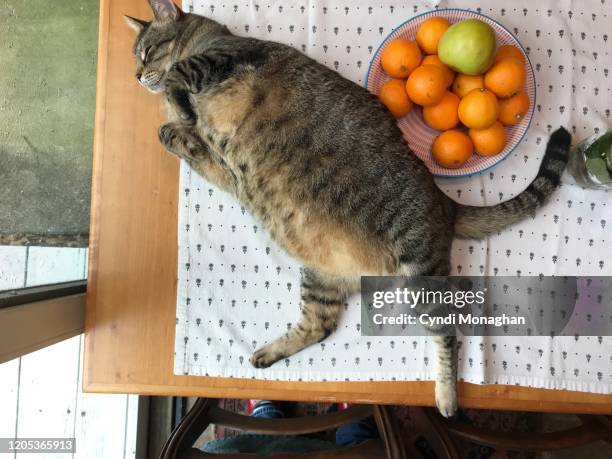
(329, 246)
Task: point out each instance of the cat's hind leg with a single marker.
(323, 299)
(446, 374)
(443, 339)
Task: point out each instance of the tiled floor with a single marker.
(40, 393)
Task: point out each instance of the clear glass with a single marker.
(47, 104)
(590, 161)
(31, 266)
(41, 396)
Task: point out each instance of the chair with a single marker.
(591, 429)
(206, 411)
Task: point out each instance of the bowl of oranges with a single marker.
(457, 122)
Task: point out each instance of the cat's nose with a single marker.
(138, 75)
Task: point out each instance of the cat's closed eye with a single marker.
(145, 53)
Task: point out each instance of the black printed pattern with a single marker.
(237, 290)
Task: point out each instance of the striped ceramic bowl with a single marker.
(420, 137)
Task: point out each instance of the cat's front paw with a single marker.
(186, 115)
(446, 398)
(167, 133)
(177, 94)
(265, 356)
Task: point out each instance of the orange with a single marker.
(393, 95)
(465, 83)
(443, 115)
(429, 34)
(506, 51)
(452, 149)
(426, 85)
(513, 109)
(489, 141)
(478, 109)
(400, 58)
(435, 60)
(505, 77)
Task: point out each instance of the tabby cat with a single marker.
(320, 162)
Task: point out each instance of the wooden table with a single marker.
(130, 320)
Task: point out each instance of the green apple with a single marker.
(468, 47)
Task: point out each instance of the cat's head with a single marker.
(155, 43)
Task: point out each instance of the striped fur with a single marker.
(316, 158)
(479, 222)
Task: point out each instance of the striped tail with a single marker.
(479, 222)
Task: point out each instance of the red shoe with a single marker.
(343, 406)
(251, 405)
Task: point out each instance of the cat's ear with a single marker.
(136, 24)
(166, 9)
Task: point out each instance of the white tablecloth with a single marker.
(237, 290)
